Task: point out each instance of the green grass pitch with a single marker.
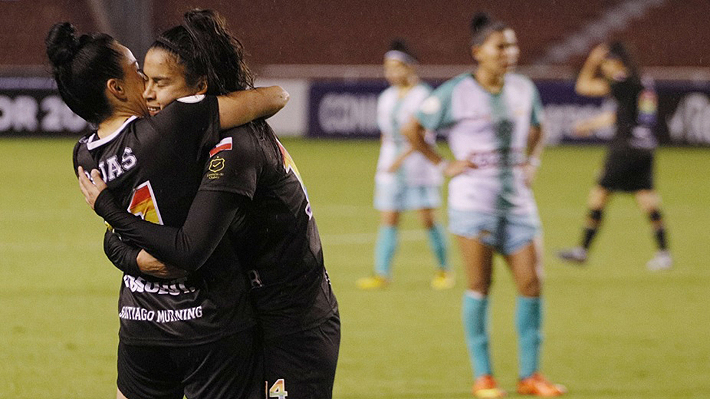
(612, 328)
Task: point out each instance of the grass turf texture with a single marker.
(612, 329)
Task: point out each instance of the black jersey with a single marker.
(153, 168)
(275, 236)
(252, 192)
(636, 104)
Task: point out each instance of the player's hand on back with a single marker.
(154, 267)
(92, 186)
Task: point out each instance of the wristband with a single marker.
(534, 161)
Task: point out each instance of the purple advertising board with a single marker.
(349, 110)
(344, 109)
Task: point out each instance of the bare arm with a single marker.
(589, 83)
(414, 132)
(536, 143)
(240, 107)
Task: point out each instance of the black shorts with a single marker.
(220, 369)
(302, 365)
(628, 169)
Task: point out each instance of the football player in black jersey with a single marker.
(252, 193)
(191, 334)
(611, 70)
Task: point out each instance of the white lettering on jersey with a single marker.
(128, 160)
(111, 168)
(174, 287)
(135, 313)
(166, 316)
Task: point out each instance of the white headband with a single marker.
(400, 56)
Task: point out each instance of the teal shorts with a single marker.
(397, 196)
(506, 233)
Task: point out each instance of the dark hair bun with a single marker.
(479, 22)
(62, 43)
(399, 45)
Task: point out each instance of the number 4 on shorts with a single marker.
(278, 390)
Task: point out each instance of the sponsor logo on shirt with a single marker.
(496, 158)
(174, 287)
(160, 316)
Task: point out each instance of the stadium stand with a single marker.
(313, 32)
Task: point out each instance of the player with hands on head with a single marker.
(494, 121)
(405, 179)
(612, 70)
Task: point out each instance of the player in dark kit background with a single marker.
(191, 335)
(612, 70)
(251, 188)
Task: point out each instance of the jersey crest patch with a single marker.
(431, 105)
(224, 145)
(215, 167)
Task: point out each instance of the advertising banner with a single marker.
(344, 109)
(32, 107)
(348, 110)
(684, 113)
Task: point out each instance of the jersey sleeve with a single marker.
(121, 254)
(234, 163)
(435, 111)
(187, 247)
(189, 123)
(81, 157)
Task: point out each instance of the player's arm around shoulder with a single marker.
(240, 107)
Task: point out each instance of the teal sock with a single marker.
(528, 319)
(475, 324)
(384, 250)
(437, 240)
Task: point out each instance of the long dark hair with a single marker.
(206, 48)
(81, 67)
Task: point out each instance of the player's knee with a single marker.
(530, 287)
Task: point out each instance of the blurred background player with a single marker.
(405, 179)
(612, 70)
(497, 141)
